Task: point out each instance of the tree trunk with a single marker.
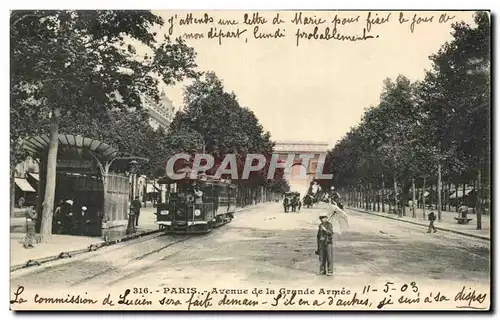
(378, 197)
(475, 202)
(423, 199)
(435, 200)
(12, 191)
(478, 201)
(383, 194)
(443, 188)
(367, 197)
(431, 194)
(356, 197)
(50, 186)
(448, 196)
(374, 198)
(396, 208)
(144, 193)
(413, 198)
(439, 192)
(463, 195)
(360, 200)
(404, 199)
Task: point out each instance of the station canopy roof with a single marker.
(36, 145)
(24, 185)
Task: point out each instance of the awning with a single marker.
(24, 185)
(150, 188)
(35, 176)
(459, 194)
(35, 145)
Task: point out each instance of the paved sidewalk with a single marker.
(447, 223)
(66, 243)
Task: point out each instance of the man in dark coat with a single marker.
(131, 219)
(432, 218)
(325, 246)
(136, 204)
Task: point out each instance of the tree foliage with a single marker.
(84, 63)
(213, 118)
(87, 64)
(445, 118)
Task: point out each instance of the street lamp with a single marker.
(133, 169)
(130, 225)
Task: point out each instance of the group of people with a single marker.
(462, 217)
(76, 220)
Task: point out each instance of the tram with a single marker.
(196, 205)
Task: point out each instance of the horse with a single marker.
(286, 204)
(308, 201)
(294, 203)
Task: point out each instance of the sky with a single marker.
(319, 89)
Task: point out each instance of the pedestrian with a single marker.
(463, 211)
(136, 204)
(69, 224)
(325, 246)
(30, 238)
(432, 218)
(131, 219)
(83, 220)
(59, 217)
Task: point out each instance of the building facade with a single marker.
(317, 150)
(162, 113)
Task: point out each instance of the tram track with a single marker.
(129, 261)
(144, 267)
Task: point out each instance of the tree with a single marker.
(214, 117)
(436, 127)
(88, 62)
(457, 99)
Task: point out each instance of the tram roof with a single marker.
(199, 178)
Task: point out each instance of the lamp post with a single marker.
(133, 169)
(130, 224)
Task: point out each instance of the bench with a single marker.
(463, 220)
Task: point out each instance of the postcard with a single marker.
(250, 160)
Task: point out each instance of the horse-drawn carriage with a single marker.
(308, 201)
(291, 202)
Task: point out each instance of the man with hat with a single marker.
(136, 205)
(83, 220)
(325, 245)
